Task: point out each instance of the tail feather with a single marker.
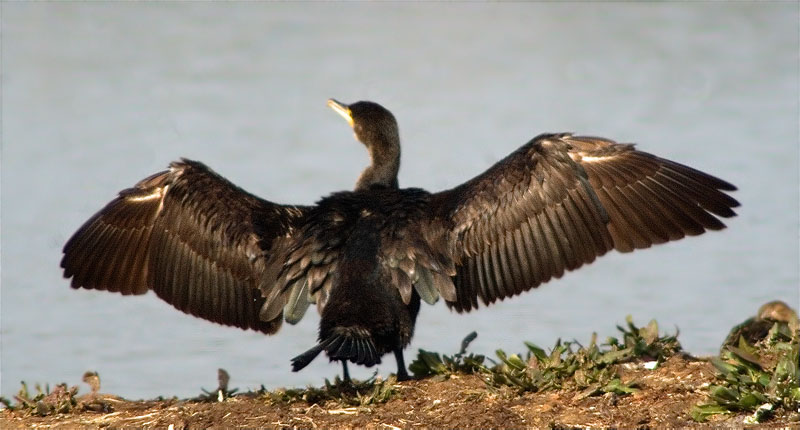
(361, 350)
(305, 358)
(341, 348)
(346, 344)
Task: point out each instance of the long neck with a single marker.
(384, 167)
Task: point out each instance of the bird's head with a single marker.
(373, 124)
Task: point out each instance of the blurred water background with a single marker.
(96, 96)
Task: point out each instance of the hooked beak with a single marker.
(342, 109)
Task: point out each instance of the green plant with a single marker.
(755, 378)
(589, 368)
(432, 363)
(353, 393)
(45, 402)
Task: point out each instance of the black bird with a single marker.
(367, 257)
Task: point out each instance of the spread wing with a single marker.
(650, 200)
(198, 241)
(559, 202)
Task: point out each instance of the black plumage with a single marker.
(367, 258)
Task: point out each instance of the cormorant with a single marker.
(367, 257)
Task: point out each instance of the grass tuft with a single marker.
(45, 402)
(590, 369)
(757, 378)
(434, 364)
(353, 393)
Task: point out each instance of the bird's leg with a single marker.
(345, 373)
(402, 375)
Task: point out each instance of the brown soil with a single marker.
(665, 398)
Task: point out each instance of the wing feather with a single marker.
(536, 249)
(580, 238)
(502, 255)
(644, 192)
(524, 260)
(499, 271)
(488, 290)
(559, 202)
(198, 241)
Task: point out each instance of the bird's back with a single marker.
(357, 236)
(363, 298)
(366, 229)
